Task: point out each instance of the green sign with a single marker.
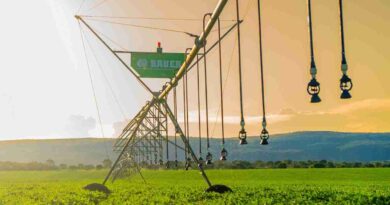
(156, 65)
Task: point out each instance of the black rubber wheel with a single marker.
(219, 188)
(97, 187)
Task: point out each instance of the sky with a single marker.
(45, 89)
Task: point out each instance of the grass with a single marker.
(264, 186)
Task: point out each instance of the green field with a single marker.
(264, 186)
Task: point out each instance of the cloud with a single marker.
(370, 115)
(370, 104)
(80, 126)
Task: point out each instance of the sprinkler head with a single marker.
(242, 137)
(345, 86)
(313, 88)
(264, 136)
(177, 129)
(209, 158)
(187, 166)
(224, 154)
(188, 163)
(201, 160)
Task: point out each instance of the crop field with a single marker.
(262, 186)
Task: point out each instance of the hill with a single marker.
(293, 146)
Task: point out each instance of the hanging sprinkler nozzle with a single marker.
(345, 86)
(242, 137)
(167, 165)
(176, 163)
(201, 160)
(242, 134)
(188, 163)
(345, 81)
(264, 136)
(313, 88)
(224, 154)
(209, 158)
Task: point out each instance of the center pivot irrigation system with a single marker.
(145, 138)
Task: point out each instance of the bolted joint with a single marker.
(200, 43)
(264, 123)
(177, 129)
(313, 69)
(344, 68)
(242, 123)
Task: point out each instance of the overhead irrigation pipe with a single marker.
(199, 43)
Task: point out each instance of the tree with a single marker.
(282, 165)
(107, 163)
(89, 167)
(50, 163)
(63, 166)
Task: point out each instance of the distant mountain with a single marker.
(293, 146)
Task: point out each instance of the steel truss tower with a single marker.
(141, 140)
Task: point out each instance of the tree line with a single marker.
(296, 164)
(237, 164)
(51, 165)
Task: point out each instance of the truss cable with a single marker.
(93, 89)
(107, 81)
(175, 113)
(96, 5)
(145, 27)
(209, 156)
(224, 153)
(148, 18)
(111, 40)
(242, 133)
(116, 55)
(313, 88)
(345, 82)
(81, 6)
(199, 116)
(264, 133)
